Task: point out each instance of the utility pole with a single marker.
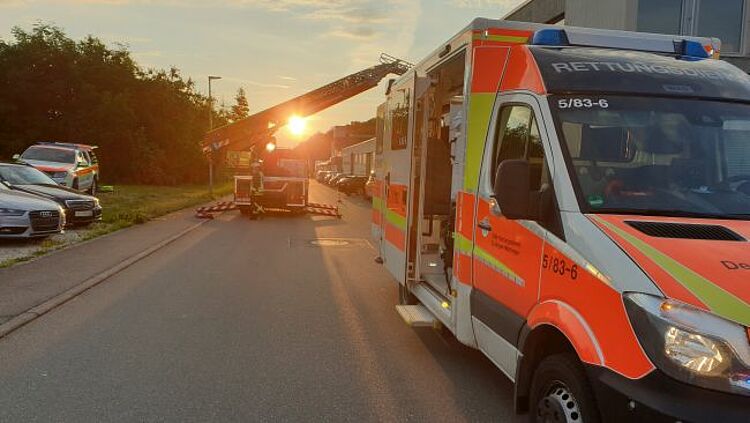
(211, 127)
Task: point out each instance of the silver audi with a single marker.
(28, 216)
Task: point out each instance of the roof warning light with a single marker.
(550, 37)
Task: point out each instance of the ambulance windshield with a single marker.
(657, 156)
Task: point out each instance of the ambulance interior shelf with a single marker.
(438, 209)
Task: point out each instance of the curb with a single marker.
(60, 299)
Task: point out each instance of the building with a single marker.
(728, 20)
(357, 158)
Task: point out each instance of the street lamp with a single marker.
(211, 127)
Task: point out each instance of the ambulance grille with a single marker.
(686, 231)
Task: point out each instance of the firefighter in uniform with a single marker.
(256, 190)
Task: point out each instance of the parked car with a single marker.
(321, 174)
(28, 216)
(329, 176)
(352, 185)
(335, 180)
(70, 165)
(370, 186)
(79, 209)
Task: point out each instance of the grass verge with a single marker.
(126, 206)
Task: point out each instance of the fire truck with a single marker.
(286, 187)
(574, 203)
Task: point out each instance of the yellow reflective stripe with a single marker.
(513, 39)
(377, 203)
(463, 244)
(480, 111)
(395, 219)
(499, 266)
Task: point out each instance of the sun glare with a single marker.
(297, 125)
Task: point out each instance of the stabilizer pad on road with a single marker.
(323, 210)
(417, 316)
(207, 212)
(224, 206)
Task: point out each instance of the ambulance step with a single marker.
(417, 316)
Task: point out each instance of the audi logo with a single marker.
(45, 214)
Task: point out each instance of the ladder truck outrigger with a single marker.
(575, 203)
(278, 179)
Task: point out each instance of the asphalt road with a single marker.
(247, 321)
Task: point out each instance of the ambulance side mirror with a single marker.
(512, 190)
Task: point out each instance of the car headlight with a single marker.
(11, 212)
(692, 345)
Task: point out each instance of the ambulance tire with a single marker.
(560, 392)
(405, 297)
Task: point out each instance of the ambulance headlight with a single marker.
(692, 345)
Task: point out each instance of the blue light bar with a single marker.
(693, 49)
(550, 37)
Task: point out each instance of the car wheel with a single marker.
(560, 392)
(93, 187)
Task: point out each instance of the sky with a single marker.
(274, 49)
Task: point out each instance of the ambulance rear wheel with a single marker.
(560, 392)
(405, 297)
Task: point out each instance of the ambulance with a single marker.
(575, 204)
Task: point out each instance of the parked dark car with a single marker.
(328, 179)
(335, 180)
(352, 185)
(79, 208)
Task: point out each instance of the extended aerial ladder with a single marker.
(244, 133)
(258, 129)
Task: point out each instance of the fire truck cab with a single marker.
(574, 203)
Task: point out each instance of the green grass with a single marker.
(129, 205)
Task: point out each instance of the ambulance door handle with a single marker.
(484, 225)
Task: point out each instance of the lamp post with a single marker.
(211, 127)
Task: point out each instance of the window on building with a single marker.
(703, 18)
(660, 16)
(722, 21)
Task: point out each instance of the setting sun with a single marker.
(297, 125)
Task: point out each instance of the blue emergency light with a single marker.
(550, 37)
(558, 37)
(692, 49)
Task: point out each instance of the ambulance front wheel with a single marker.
(560, 392)
(405, 297)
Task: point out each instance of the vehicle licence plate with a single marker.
(85, 213)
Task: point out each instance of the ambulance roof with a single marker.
(584, 69)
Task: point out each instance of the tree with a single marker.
(147, 123)
(241, 108)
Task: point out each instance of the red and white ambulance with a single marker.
(575, 203)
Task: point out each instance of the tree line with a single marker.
(147, 123)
